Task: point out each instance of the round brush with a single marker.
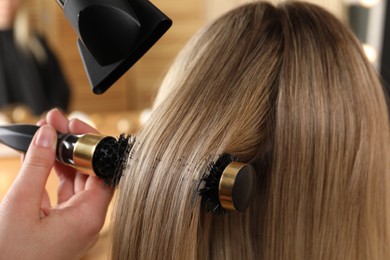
(93, 154)
(227, 185)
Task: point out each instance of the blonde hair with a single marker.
(24, 35)
(288, 89)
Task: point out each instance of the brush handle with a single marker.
(18, 136)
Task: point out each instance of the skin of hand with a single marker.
(31, 228)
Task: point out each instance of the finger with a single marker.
(29, 185)
(103, 194)
(80, 127)
(95, 201)
(45, 200)
(65, 175)
(58, 120)
(79, 182)
(83, 216)
(41, 122)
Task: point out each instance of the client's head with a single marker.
(287, 89)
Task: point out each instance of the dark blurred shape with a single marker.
(24, 80)
(358, 20)
(30, 74)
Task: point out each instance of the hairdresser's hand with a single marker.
(30, 227)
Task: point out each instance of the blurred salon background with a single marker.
(136, 90)
(59, 78)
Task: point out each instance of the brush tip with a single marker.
(109, 160)
(237, 186)
(228, 185)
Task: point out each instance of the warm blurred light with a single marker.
(4, 119)
(125, 125)
(20, 114)
(145, 115)
(371, 53)
(369, 3)
(5, 183)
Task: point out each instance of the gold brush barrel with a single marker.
(84, 151)
(237, 186)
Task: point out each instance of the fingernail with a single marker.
(41, 122)
(46, 136)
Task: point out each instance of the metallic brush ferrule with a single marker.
(78, 151)
(84, 151)
(237, 186)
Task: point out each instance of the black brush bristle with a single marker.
(210, 198)
(109, 159)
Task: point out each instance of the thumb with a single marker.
(38, 162)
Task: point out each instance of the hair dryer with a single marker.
(113, 35)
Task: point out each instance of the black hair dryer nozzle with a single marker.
(113, 35)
